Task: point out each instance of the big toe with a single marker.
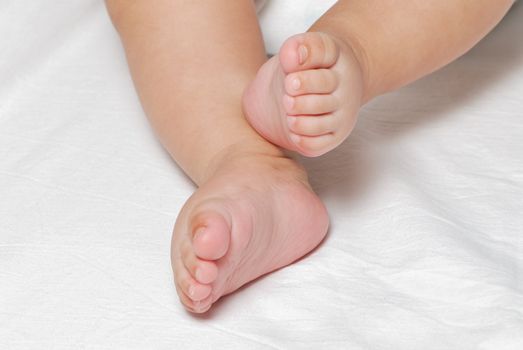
(211, 235)
(308, 51)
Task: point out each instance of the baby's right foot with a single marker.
(306, 98)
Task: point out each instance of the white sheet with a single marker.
(426, 245)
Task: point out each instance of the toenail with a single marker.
(289, 102)
(198, 274)
(291, 120)
(296, 84)
(295, 138)
(199, 233)
(303, 53)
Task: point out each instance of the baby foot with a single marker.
(256, 215)
(306, 98)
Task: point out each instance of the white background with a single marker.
(426, 200)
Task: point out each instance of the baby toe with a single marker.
(203, 271)
(314, 146)
(204, 305)
(188, 285)
(311, 125)
(319, 81)
(308, 51)
(194, 290)
(310, 104)
(211, 235)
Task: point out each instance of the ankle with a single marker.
(242, 151)
(255, 158)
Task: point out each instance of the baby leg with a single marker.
(254, 211)
(307, 97)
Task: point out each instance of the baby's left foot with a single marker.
(306, 98)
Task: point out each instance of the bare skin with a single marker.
(191, 61)
(254, 210)
(307, 97)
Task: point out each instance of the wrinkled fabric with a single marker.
(425, 250)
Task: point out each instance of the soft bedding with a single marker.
(426, 201)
